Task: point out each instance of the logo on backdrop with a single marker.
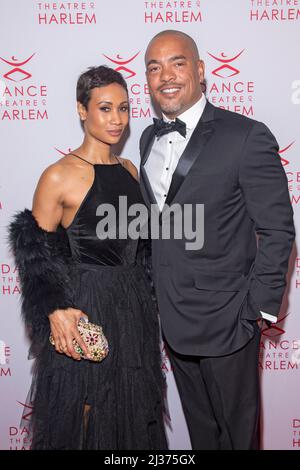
(139, 96)
(22, 97)
(278, 350)
(165, 12)
(265, 10)
(5, 354)
(19, 437)
(66, 13)
(62, 153)
(27, 411)
(17, 74)
(292, 172)
(296, 433)
(296, 270)
(230, 89)
(121, 63)
(275, 329)
(10, 281)
(225, 70)
(284, 161)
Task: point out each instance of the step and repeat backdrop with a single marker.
(250, 48)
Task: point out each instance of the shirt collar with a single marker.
(192, 115)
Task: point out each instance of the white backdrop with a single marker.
(252, 67)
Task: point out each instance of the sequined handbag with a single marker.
(94, 339)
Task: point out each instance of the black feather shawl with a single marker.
(43, 261)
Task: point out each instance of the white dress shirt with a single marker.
(167, 150)
(165, 154)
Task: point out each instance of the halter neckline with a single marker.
(97, 164)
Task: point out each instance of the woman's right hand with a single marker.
(64, 329)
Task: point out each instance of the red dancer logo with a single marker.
(62, 152)
(121, 64)
(17, 71)
(283, 160)
(225, 70)
(274, 329)
(26, 414)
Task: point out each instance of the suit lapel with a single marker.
(146, 188)
(200, 137)
(146, 145)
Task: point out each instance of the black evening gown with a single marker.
(124, 392)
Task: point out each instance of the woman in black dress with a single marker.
(68, 272)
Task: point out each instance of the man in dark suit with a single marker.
(211, 299)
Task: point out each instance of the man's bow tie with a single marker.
(161, 127)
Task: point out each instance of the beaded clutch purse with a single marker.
(94, 339)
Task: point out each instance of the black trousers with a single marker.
(220, 397)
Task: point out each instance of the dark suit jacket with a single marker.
(209, 299)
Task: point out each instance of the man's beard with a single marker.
(172, 108)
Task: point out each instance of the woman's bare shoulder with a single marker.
(58, 172)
